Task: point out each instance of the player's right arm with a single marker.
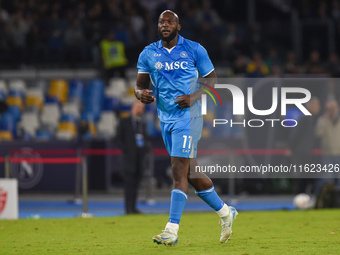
(143, 79)
(142, 89)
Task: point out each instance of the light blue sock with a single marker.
(178, 199)
(211, 198)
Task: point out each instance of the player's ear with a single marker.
(179, 27)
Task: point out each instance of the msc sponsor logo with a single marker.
(168, 66)
(158, 65)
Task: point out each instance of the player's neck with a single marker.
(171, 43)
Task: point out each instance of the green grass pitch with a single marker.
(277, 232)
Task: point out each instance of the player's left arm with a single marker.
(186, 101)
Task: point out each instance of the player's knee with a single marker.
(178, 176)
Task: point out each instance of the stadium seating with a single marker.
(17, 85)
(3, 87)
(92, 129)
(107, 124)
(40, 84)
(111, 104)
(34, 98)
(71, 108)
(45, 110)
(29, 123)
(15, 100)
(15, 112)
(8, 123)
(76, 90)
(66, 130)
(131, 87)
(2, 96)
(58, 89)
(51, 114)
(90, 119)
(6, 135)
(117, 88)
(43, 134)
(94, 98)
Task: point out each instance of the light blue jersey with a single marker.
(171, 72)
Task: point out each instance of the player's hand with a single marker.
(145, 98)
(184, 101)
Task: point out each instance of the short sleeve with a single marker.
(203, 62)
(142, 64)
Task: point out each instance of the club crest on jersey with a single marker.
(183, 54)
(159, 65)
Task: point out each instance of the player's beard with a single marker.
(169, 37)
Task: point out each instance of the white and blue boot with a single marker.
(168, 237)
(227, 223)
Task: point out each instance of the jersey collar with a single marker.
(180, 41)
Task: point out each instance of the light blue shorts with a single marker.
(181, 137)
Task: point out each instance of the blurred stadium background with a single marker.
(53, 78)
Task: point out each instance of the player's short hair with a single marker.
(175, 14)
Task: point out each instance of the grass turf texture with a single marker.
(278, 232)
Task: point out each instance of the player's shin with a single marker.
(214, 201)
(178, 199)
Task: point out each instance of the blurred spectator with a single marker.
(334, 90)
(208, 21)
(34, 41)
(5, 44)
(150, 5)
(240, 65)
(96, 12)
(134, 141)
(168, 5)
(55, 43)
(43, 25)
(306, 9)
(333, 65)
(291, 65)
(230, 42)
(335, 9)
(328, 129)
(94, 34)
(273, 60)
(114, 12)
(208, 14)
(187, 14)
(74, 42)
(314, 65)
(4, 16)
(137, 25)
(113, 56)
(255, 38)
(81, 11)
(276, 70)
(257, 67)
(322, 11)
(302, 142)
(18, 31)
